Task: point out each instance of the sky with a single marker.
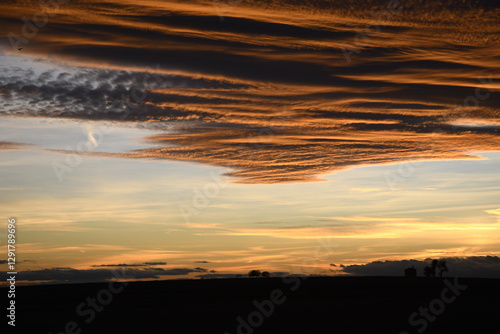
(200, 139)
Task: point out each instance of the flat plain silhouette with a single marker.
(312, 305)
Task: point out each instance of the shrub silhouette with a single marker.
(254, 273)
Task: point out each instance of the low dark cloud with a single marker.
(23, 261)
(155, 263)
(119, 265)
(474, 266)
(157, 269)
(213, 274)
(71, 275)
(182, 271)
(132, 265)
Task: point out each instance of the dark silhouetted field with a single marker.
(318, 305)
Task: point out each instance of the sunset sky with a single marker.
(187, 139)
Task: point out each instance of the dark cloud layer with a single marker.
(70, 275)
(474, 266)
(277, 91)
(119, 265)
(145, 264)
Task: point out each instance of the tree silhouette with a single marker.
(436, 265)
(266, 274)
(442, 267)
(254, 273)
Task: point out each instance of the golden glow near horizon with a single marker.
(216, 138)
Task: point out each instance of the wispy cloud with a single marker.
(349, 228)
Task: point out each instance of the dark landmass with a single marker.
(313, 305)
